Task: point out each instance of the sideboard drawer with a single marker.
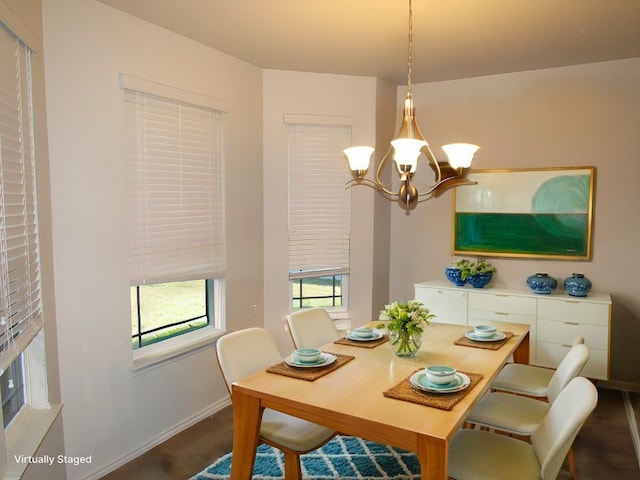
(482, 316)
(502, 303)
(566, 332)
(551, 354)
(448, 305)
(569, 310)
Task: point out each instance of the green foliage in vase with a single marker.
(405, 323)
(469, 268)
(411, 317)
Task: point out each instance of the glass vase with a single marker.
(404, 343)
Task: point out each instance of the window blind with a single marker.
(176, 189)
(20, 286)
(319, 203)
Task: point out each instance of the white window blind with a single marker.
(319, 203)
(175, 157)
(20, 287)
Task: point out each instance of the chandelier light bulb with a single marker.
(407, 151)
(358, 157)
(460, 154)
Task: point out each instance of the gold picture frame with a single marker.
(529, 212)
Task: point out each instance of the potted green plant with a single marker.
(405, 324)
(478, 274)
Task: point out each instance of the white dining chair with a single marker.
(311, 328)
(526, 379)
(244, 352)
(520, 415)
(483, 455)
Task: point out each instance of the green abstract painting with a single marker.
(526, 213)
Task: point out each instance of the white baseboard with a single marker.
(157, 440)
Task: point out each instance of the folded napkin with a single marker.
(467, 342)
(444, 401)
(355, 343)
(311, 373)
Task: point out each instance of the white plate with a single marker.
(420, 381)
(494, 338)
(375, 335)
(325, 359)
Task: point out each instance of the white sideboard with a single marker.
(555, 320)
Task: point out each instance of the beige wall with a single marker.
(110, 412)
(581, 115)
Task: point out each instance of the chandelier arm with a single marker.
(433, 163)
(444, 185)
(371, 183)
(379, 169)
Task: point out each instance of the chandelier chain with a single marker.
(410, 55)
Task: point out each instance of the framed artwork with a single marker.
(534, 213)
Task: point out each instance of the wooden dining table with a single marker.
(351, 399)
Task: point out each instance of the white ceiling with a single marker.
(451, 38)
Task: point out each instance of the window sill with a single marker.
(157, 355)
(25, 436)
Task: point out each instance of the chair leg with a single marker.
(572, 464)
(292, 468)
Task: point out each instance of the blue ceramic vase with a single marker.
(480, 280)
(542, 283)
(455, 276)
(577, 285)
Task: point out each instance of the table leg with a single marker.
(247, 416)
(521, 353)
(433, 455)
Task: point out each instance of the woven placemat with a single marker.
(355, 343)
(312, 373)
(443, 401)
(466, 342)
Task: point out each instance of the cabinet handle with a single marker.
(566, 346)
(501, 313)
(571, 301)
(571, 323)
(500, 295)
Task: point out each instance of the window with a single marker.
(312, 292)
(176, 210)
(20, 295)
(165, 310)
(319, 216)
(12, 389)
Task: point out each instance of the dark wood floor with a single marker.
(603, 450)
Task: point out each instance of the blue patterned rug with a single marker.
(343, 458)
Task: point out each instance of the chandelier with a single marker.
(406, 148)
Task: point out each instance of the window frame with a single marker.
(325, 136)
(24, 434)
(157, 354)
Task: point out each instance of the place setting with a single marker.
(309, 363)
(366, 337)
(438, 386)
(439, 379)
(484, 336)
